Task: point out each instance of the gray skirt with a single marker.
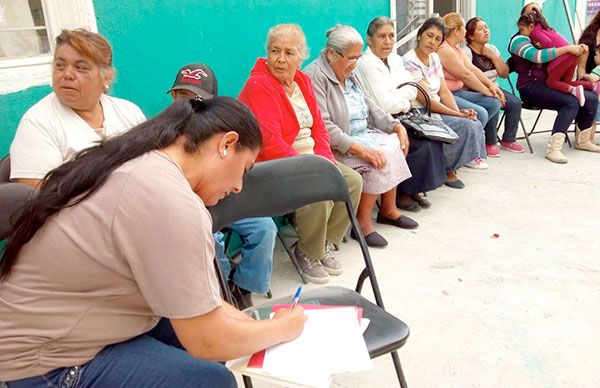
(470, 143)
(380, 180)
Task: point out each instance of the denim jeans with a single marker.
(487, 109)
(155, 359)
(538, 94)
(253, 273)
(512, 112)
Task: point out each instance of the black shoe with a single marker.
(241, 298)
(402, 222)
(374, 239)
(457, 184)
(421, 201)
(413, 206)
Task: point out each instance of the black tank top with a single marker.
(481, 62)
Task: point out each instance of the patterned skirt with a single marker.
(379, 181)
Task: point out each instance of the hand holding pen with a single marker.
(294, 315)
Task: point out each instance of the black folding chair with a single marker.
(12, 197)
(280, 186)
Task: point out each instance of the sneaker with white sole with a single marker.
(477, 164)
(492, 150)
(313, 270)
(331, 265)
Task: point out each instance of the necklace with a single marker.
(171, 159)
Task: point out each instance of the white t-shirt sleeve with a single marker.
(136, 114)
(34, 151)
(495, 49)
(467, 51)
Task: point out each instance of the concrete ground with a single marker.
(519, 310)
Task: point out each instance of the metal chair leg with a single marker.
(292, 257)
(361, 279)
(526, 135)
(535, 123)
(398, 368)
(247, 381)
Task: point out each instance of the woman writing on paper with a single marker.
(109, 273)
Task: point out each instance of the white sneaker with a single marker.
(478, 164)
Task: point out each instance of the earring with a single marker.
(224, 152)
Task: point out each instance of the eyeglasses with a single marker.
(350, 61)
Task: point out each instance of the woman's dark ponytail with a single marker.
(76, 179)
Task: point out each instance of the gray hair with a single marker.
(340, 37)
(377, 23)
(289, 30)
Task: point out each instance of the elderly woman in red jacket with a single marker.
(283, 100)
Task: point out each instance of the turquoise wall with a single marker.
(152, 39)
(504, 27)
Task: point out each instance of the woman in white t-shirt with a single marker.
(486, 57)
(77, 114)
(119, 237)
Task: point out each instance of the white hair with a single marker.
(289, 30)
(340, 37)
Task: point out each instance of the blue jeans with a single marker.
(154, 359)
(487, 109)
(538, 94)
(512, 113)
(253, 273)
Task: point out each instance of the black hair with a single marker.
(588, 36)
(74, 181)
(435, 22)
(540, 17)
(470, 28)
(527, 19)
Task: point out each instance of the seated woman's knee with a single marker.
(209, 374)
(482, 114)
(265, 228)
(496, 104)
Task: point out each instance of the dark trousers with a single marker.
(538, 94)
(512, 114)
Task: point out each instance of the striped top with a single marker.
(432, 74)
(521, 46)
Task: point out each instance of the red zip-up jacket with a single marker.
(279, 126)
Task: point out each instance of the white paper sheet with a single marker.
(331, 343)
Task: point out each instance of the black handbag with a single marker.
(424, 125)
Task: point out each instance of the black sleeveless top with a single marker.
(481, 62)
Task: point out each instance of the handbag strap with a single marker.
(423, 91)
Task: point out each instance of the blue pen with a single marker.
(296, 297)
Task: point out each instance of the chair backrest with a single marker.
(12, 198)
(281, 186)
(5, 169)
(278, 187)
